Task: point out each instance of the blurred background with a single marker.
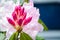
(50, 15)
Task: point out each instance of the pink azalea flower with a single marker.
(26, 17)
(19, 18)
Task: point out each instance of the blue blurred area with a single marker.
(50, 14)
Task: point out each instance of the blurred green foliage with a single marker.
(41, 22)
(39, 38)
(2, 35)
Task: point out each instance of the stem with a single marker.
(18, 38)
(26, 1)
(19, 31)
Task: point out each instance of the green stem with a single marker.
(26, 1)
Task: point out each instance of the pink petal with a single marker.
(21, 11)
(26, 21)
(17, 9)
(24, 15)
(31, 3)
(11, 21)
(20, 22)
(14, 16)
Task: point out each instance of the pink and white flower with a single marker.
(26, 17)
(19, 18)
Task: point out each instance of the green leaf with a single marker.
(41, 22)
(14, 36)
(2, 35)
(39, 38)
(24, 36)
(26, 1)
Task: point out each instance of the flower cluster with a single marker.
(17, 18)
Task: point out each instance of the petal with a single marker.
(20, 22)
(9, 32)
(35, 14)
(32, 11)
(26, 21)
(31, 3)
(14, 16)
(32, 29)
(7, 7)
(24, 15)
(21, 11)
(11, 21)
(17, 9)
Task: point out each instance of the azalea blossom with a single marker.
(19, 18)
(25, 16)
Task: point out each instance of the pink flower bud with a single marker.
(20, 22)
(14, 16)
(26, 21)
(11, 21)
